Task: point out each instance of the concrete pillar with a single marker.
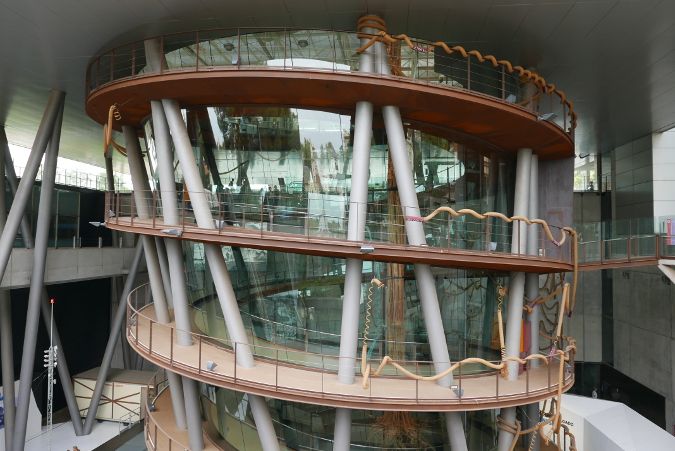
(214, 255)
(174, 253)
(358, 211)
(139, 179)
(37, 283)
(514, 313)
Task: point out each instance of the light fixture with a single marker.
(511, 98)
(367, 249)
(172, 232)
(97, 223)
(458, 391)
(210, 365)
(111, 214)
(302, 43)
(228, 46)
(547, 117)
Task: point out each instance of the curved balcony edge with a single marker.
(210, 361)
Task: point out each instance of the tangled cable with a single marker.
(378, 24)
(113, 112)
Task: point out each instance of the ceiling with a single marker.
(614, 58)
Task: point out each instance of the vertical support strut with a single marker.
(221, 278)
(358, 211)
(174, 254)
(37, 284)
(139, 179)
(6, 342)
(514, 312)
(115, 329)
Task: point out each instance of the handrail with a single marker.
(317, 218)
(202, 50)
(277, 366)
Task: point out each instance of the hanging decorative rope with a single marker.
(113, 113)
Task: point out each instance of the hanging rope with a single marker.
(113, 113)
(365, 367)
(378, 24)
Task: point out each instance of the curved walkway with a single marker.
(309, 244)
(277, 375)
(160, 429)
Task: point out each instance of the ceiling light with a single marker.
(302, 43)
(173, 232)
(511, 98)
(229, 46)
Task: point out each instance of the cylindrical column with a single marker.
(194, 416)
(164, 270)
(356, 226)
(139, 179)
(175, 266)
(221, 277)
(532, 286)
(426, 286)
(25, 188)
(358, 211)
(514, 312)
(36, 283)
(533, 234)
(115, 329)
(6, 342)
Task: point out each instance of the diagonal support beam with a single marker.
(37, 285)
(117, 324)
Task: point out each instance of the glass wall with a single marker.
(277, 166)
(310, 427)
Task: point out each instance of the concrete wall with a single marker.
(586, 322)
(68, 265)
(556, 186)
(644, 331)
(663, 168)
(633, 186)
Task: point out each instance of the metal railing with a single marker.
(324, 50)
(325, 218)
(214, 358)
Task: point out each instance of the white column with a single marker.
(356, 227)
(139, 179)
(514, 313)
(426, 286)
(221, 277)
(174, 254)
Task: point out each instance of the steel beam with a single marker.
(116, 327)
(37, 284)
(25, 188)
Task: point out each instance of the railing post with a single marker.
(528, 366)
(460, 384)
(235, 362)
(276, 372)
(503, 83)
(171, 348)
(154, 208)
(199, 361)
(468, 72)
(497, 375)
(150, 340)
